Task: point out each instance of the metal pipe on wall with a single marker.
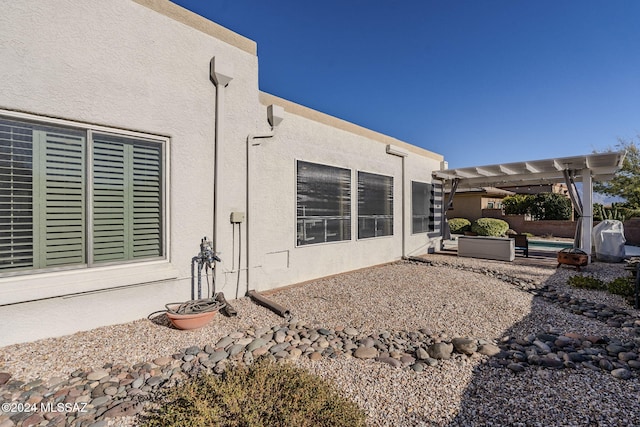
(220, 73)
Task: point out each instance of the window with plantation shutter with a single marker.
(127, 203)
(71, 197)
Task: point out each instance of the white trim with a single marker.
(69, 282)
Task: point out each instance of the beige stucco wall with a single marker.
(143, 66)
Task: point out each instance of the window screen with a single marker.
(323, 203)
(44, 210)
(375, 205)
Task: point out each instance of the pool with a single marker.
(549, 244)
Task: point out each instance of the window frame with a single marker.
(348, 219)
(89, 129)
(390, 216)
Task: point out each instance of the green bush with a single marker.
(489, 227)
(552, 206)
(622, 286)
(518, 204)
(586, 282)
(459, 225)
(263, 394)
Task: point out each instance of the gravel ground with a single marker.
(400, 296)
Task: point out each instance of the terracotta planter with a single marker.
(574, 257)
(190, 321)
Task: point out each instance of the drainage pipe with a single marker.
(275, 116)
(273, 306)
(220, 74)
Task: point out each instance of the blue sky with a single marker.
(479, 81)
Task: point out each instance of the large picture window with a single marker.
(375, 205)
(77, 197)
(323, 203)
(426, 205)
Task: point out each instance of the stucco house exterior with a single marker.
(131, 129)
(472, 203)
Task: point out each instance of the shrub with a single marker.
(548, 206)
(489, 227)
(459, 225)
(264, 393)
(518, 204)
(586, 282)
(622, 286)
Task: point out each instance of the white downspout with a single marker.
(275, 114)
(220, 73)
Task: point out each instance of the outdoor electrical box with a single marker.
(237, 217)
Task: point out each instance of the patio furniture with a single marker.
(497, 248)
(522, 243)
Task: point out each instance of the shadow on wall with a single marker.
(540, 388)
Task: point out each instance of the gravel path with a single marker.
(446, 299)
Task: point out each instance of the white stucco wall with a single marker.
(143, 66)
(122, 65)
(275, 259)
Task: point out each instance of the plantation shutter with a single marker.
(42, 214)
(110, 214)
(16, 196)
(127, 199)
(59, 215)
(147, 201)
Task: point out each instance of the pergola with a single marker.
(569, 170)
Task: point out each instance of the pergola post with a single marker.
(587, 214)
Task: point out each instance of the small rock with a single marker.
(99, 401)
(417, 367)
(352, 332)
(315, 356)
(162, 361)
(256, 343)
(621, 373)
(365, 353)
(97, 375)
(441, 350)
(626, 356)
(465, 345)
(422, 354)
(515, 367)
(193, 350)
(389, 361)
(489, 349)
